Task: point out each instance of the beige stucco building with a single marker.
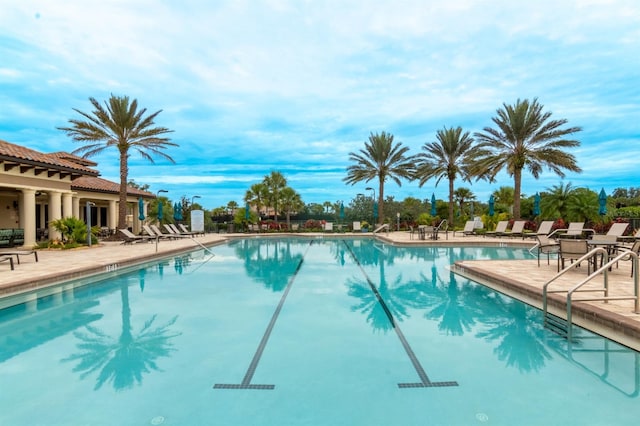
(37, 188)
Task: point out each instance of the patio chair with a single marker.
(7, 259)
(469, 228)
(573, 250)
(635, 248)
(501, 229)
(132, 238)
(546, 246)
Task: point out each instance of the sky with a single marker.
(251, 87)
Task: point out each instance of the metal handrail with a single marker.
(446, 228)
(381, 227)
(606, 264)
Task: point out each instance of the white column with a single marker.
(112, 215)
(67, 205)
(75, 206)
(55, 213)
(28, 216)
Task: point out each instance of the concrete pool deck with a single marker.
(522, 279)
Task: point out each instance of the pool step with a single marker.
(556, 324)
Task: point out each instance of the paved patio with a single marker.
(522, 279)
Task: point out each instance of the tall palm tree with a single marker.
(525, 137)
(119, 124)
(447, 157)
(381, 159)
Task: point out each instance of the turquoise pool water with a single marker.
(303, 332)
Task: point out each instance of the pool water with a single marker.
(306, 331)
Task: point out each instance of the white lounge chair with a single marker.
(543, 229)
(501, 229)
(469, 228)
(517, 230)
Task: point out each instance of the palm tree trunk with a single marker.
(450, 202)
(380, 202)
(122, 208)
(517, 183)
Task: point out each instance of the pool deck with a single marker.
(522, 279)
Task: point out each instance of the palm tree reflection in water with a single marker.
(124, 360)
(459, 307)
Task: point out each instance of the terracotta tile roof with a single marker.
(96, 184)
(18, 154)
(74, 158)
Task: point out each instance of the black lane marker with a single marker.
(246, 381)
(425, 382)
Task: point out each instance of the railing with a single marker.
(443, 226)
(604, 269)
(381, 227)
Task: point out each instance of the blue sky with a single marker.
(294, 86)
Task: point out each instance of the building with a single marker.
(38, 188)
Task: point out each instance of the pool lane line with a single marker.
(425, 382)
(246, 381)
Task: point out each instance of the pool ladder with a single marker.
(563, 326)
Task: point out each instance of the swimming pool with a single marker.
(303, 332)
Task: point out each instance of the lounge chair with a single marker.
(630, 238)
(173, 231)
(575, 230)
(617, 229)
(469, 228)
(501, 229)
(7, 259)
(155, 231)
(544, 228)
(132, 238)
(517, 230)
(186, 231)
(17, 253)
(356, 227)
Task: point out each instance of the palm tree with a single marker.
(381, 159)
(461, 196)
(291, 202)
(525, 137)
(556, 200)
(448, 157)
(121, 125)
(257, 196)
(275, 182)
